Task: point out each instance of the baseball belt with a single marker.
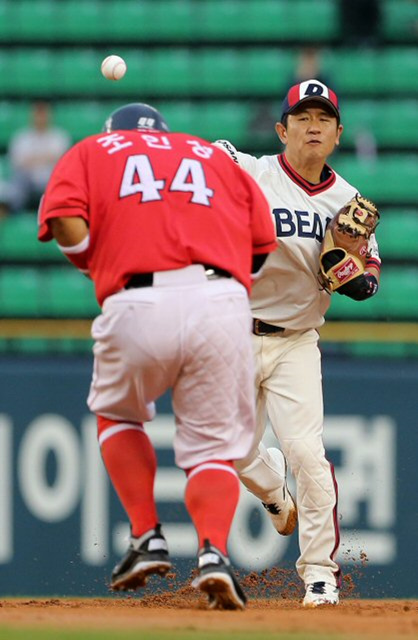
(261, 328)
(138, 280)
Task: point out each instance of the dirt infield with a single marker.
(355, 618)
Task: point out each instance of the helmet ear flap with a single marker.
(135, 116)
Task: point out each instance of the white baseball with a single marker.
(113, 67)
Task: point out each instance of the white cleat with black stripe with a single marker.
(281, 508)
(321, 593)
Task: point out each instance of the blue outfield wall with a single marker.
(62, 528)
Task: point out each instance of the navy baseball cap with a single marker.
(307, 91)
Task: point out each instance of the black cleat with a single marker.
(146, 555)
(215, 577)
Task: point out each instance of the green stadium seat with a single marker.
(4, 168)
(31, 72)
(80, 21)
(231, 20)
(30, 345)
(7, 30)
(48, 346)
(162, 20)
(210, 119)
(398, 294)
(92, 21)
(170, 20)
(343, 308)
(400, 19)
(68, 294)
(232, 72)
(312, 21)
(205, 71)
(21, 292)
(7, 80)
(130, 20)
(79, 72)
(19, 242)
(180, 115)
(265, 71)
(400, 70)
(170, 72)
(398, 234)
(143, 21)
(34, 21)
(223, 120)
(397, 299)
(139, 80)
(390, 179)
(387, 71)
(13, 116)
(72, 345)
(218, 71)
(383, 349)
(392, 123)
(81, 119)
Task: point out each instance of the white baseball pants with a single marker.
(289, 390)
(188, 333)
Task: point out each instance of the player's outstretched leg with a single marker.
(265, 477)
(146, 555)
(216, 579)
(281, 507)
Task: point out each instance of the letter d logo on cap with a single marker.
(310, 88)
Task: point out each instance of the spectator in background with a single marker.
(360, 22)
(32, 155)
(308, 65)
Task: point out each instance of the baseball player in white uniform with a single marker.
(288, 307)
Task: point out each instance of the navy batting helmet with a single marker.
(135, 116)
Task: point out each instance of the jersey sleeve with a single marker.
(244, 160)
(66, 192)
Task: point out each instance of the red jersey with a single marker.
(156, 201)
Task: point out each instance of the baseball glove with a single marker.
(344, 250)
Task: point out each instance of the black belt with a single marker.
(261, 328)
(138, 280)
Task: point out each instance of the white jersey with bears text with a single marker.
(288, 293)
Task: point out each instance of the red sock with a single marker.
(212, 494)
(131, 463)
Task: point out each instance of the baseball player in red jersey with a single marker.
(169, 230)
(288, 306)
